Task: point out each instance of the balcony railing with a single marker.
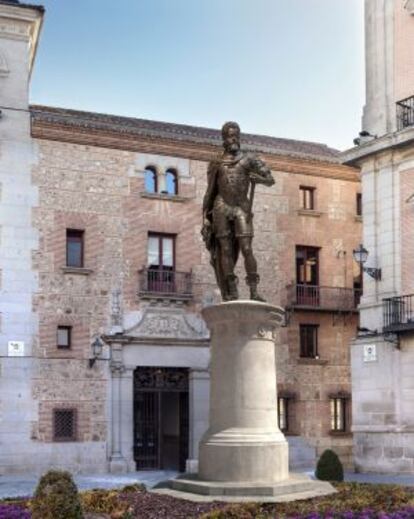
(405, 113)
(165, 283)
(323, 298)
(398, 313)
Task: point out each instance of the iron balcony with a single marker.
(405, 113)
(398, 314)
(329, 299)
(165, 283)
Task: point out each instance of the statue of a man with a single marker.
(227, 212)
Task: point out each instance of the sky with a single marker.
(287, 68)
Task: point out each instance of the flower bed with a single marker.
(353, 501)
(11, 509)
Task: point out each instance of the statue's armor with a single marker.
(231, 205)
(233, 183)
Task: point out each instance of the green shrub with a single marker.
(329, 467)
(56, 497)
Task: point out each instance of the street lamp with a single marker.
(360, 256)
(97, 347)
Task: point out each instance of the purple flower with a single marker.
(13, 511)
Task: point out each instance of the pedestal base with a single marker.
(297, 486)
(244, 455)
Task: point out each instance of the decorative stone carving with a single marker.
(16, 30)
(171, 323)
(4, 69)
(409, 5)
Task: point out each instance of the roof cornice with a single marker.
(180, 140)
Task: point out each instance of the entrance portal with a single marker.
(160, 418)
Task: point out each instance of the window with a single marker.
(307, 265)
(151, 179)
(359, 204)
(307, 197)
(307, 276)
(64, 337)
(74, 248)
(171, 182)
(309, 341)
(283, 413)
(64, 425)
(161, 262)
(338, 413)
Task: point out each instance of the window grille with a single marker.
(338, 414)
(283, 413)
(64, 424)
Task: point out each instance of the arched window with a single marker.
(171, 182)
(150, 179)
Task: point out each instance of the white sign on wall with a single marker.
(370, 352)
(16, 349)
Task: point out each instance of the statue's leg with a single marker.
(227, 266)
(252, 277)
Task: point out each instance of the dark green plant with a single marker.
(329, 467)
(56, 497)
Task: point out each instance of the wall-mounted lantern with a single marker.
(97, 347)
(360, 256)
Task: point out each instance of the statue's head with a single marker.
(231, 137)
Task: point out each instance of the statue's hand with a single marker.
(206, 230)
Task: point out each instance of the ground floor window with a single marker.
(283, 414)
(64, 425)
(339, 412)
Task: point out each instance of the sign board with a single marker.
(370, 353)
(16, 349)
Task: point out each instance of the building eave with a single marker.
(179, 140)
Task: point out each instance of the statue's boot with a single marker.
(232, 292)
(252, 280)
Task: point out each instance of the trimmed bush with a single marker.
(56, 497)
(329, 467)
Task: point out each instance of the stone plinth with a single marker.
(243, 454)
(243, 443)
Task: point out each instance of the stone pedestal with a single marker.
(243, 453)
(243, 442)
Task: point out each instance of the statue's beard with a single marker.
(233, 147)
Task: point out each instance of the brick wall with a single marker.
(101, 191)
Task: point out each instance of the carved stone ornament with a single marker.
(168, 323)
(409, 5)
(4, 69)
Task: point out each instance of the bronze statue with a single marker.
(227, 212)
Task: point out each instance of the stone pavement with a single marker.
(14, 486)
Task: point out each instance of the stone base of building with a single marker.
(295, 487)
(384, 452)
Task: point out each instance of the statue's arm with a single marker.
(211, 191)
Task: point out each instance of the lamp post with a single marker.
(360, 256)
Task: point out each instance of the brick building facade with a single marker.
(101, 245)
